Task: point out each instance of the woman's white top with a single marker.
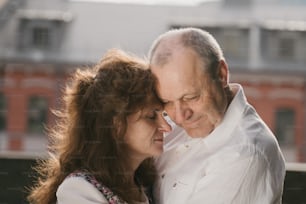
(75, 190)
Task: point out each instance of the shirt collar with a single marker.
(231, 119)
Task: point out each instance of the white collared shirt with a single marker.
(240, 162)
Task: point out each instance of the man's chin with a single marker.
(197, 132)
(194, 133)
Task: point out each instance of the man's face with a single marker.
(192, 99)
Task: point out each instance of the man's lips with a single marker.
(192, 124)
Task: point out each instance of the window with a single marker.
(40, 37)
(283, 46)
(38, 34)
(234, 42)
(286, 48)
(37, 114)
(284, 129)
(2, 112)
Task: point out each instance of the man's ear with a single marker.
(223, 73)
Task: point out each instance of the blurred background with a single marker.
(43, 41)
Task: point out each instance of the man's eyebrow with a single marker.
(181, 97)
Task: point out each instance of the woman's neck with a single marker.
(133, 161)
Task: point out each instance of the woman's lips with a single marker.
(158, 139)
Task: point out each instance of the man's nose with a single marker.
(179, 112)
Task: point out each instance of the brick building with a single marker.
(42, 41)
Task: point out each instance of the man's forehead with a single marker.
(165, 49)
(170, 90)
(161, 58)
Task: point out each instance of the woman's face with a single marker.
(144, 135)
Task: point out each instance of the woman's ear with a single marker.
(117, 127)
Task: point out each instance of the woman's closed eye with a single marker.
(151, 115)
(165, 102)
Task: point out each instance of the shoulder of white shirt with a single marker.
(78, 188)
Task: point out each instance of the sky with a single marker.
(153, 2)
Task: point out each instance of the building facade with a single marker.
(42, 41)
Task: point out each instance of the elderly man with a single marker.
(220, 151)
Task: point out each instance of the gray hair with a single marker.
(200, 41)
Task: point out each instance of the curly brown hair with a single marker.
(90, 128)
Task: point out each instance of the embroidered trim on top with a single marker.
(108, 194)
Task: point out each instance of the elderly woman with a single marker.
(106, 136)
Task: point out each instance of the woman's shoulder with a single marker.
(78, 190)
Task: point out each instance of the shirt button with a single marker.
(174, 185)
(162, 176)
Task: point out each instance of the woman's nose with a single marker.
(162, 124)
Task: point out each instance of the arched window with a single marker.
(284, 128)
(3, 112)
(37, 114)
